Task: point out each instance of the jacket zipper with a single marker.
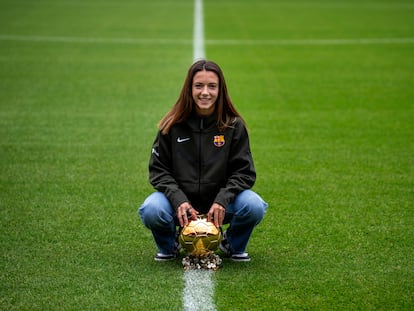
(199, 155)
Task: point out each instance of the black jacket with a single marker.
(198, 163)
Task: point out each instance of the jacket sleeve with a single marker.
(160, 171)
(241, 171)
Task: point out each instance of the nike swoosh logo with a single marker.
(181, 140)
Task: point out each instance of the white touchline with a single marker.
(198, 36)
(199, 291)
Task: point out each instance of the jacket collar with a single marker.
(197, 122)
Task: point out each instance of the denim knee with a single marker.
(156, 213)
(250, 205)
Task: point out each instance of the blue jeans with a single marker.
(247, 210)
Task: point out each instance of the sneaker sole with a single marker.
(240, 259)
(165, 258)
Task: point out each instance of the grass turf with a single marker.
(331, 131)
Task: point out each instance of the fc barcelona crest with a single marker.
(219, 140)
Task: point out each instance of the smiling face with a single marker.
(205, 90)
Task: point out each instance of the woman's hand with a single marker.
(185, 212)
(216, 214)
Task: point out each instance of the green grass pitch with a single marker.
(326, 88)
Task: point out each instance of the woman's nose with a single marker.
(204, 90)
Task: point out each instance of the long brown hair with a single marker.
(224, 108)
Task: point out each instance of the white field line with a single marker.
(198, 36)
(64, 39)
(199, 291)
(200, 52)
(356, 41)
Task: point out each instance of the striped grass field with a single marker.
(326, 88)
